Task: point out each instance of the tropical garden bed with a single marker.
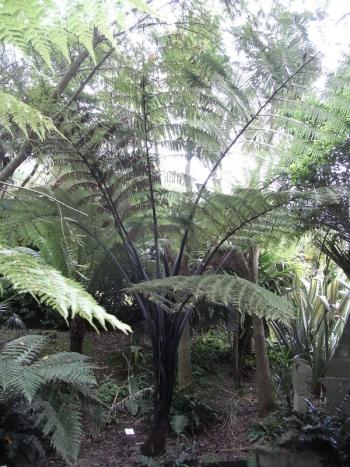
(174, 225)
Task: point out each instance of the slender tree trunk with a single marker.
(184, 363)
(77, 334)
(245, 341)
(263, 374)
(235, 346)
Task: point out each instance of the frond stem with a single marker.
(150, 180)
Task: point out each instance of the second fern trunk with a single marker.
(77, 334)
(263, 374)
(184, 360)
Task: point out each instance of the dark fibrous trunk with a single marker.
(184, 360)
(77, 334)
(155, 444)
(165, 344)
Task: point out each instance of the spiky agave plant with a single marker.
(322, 308)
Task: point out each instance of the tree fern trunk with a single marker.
(245, 340)
(154, 446)
(184, 360)
(77, 334)
(263, 374)
(165, 340)
(233, 326)
(165, 382)
(235, 345)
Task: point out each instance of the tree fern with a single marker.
(52, 37)
(26, 25)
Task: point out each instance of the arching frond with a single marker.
(251, 215)
(219, 289)
(46, 284)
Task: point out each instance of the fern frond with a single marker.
(60, 420)
(67, 367)
(24, 116)
(53, 385)
(46, 284)
(24, 350)
(178, 423)
(223, 290)
(25, 380)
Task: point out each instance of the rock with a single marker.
(302, 379)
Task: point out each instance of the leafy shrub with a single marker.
(197, 414)
(322, 306)
(33, 314)
(108, 389)
(317, 430)
(20, 442)
(210, 349)
(281, 368)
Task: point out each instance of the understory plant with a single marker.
(41, 395)
(322, 308)
(41, 400)
(191, 410)
(317, 430)
(210, 349)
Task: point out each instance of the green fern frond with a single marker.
(60, 420)
(220, 289)
(24, 116)
(16, 370)
(25, 25)
(178, 423)
(40, 381)
(46, 284)
(258, 215)
(67, 367)
(24, 350)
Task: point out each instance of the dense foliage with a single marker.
(41, 398)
